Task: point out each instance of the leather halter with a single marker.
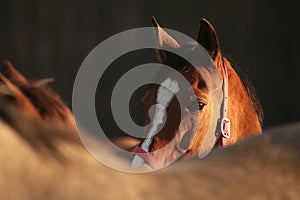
(225, 126)
(225, 122)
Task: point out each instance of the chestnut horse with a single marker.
(242, 109)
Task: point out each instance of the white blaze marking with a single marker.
(165, 94)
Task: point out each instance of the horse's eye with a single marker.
(196, 106)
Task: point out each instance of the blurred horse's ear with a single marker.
(24, 104)
(208, 38)
(8, 70)
(164, 40)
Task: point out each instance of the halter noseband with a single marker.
(225, 126)
(147, 156)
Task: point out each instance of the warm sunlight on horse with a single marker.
(185, 135)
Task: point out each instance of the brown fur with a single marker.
(244, 118)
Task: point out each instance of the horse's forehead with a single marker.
(169, 84)
(166, 91)
(193, 77)
(174, 80)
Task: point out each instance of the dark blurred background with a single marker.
(51, 39)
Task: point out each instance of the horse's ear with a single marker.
(24, 104)
(8, 70)
(164, 40)
(208, 38)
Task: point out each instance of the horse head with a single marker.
(184, 129)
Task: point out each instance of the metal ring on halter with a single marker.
(225, 131)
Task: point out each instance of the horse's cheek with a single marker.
(201, 125)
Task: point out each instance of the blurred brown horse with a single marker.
(244, 110)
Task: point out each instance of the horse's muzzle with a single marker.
(148, 157)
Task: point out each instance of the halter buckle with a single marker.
(225, 127)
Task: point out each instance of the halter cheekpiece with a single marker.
(225, 122)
